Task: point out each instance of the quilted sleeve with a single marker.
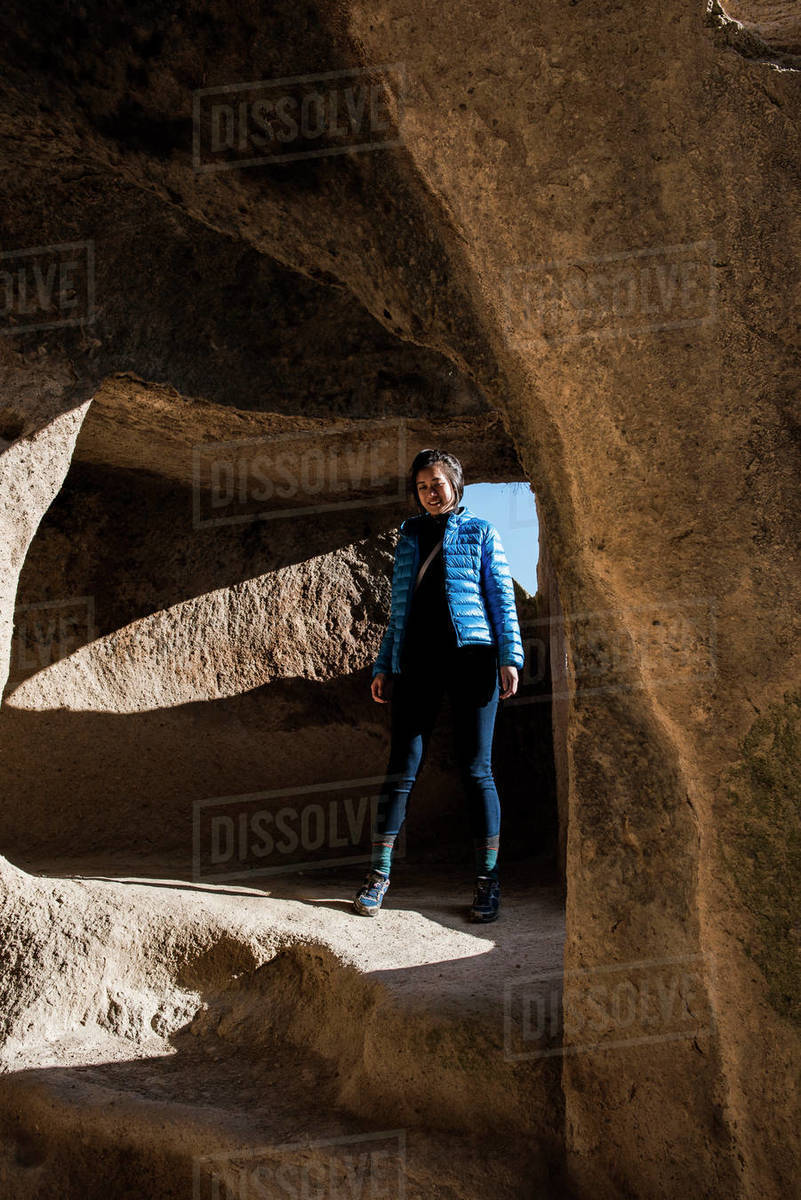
(496, 583)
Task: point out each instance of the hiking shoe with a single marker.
(369, 896)
(486, 899)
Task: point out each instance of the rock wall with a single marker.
(662, 451)
(41, 416)
(776, 25)
(553, 662)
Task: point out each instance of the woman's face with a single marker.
(434, 489)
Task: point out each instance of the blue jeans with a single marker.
(469, 674)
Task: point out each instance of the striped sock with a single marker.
(485, 853)
(381, 859)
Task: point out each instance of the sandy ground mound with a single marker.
(167, 1039)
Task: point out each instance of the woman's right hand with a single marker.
(377, 689)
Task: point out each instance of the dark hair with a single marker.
(450, 466)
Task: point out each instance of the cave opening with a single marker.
(177, 682)
(176, 685)
(116, 728)
(525, 762)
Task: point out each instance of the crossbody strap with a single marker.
(422, 570)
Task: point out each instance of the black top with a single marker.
(429, 633)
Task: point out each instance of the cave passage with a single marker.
(166, 670)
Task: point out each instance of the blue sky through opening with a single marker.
(510, 508)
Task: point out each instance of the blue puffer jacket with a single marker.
(478, 587)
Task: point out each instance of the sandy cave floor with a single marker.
(421, 946)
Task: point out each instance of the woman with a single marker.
(453, 625)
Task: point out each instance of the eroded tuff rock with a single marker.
(41, 416)
(163, 1035)
(658, 426)
(777, 24)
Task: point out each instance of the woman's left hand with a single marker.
(508, 682)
